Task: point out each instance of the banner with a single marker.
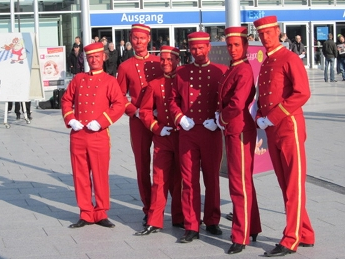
(256, 54)
(53, 67)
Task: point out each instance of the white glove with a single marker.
(137, 113)
(210, 125)
(76, 125)
(93, 125)
(186, 123)
(155, 113)
(268, 122)
(166, 131)
(261, 123)
(217, 121)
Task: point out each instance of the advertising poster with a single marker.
(53, 67)
(256, 55)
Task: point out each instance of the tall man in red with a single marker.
(92, 102)
(283, 90)
(166, 164)
(236, 92)
(193, 104)
(133, 76)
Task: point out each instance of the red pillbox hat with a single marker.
(94, 47)
(169, 49)
(141, 28)
(198, 37)
(236, 32)
(266, 22)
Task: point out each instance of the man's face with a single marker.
(77, 40)
(341, 39)
(298, 39)
(270, 37)
(122, 43)
(236, 49)
(111, 46)
(139, 41)
(200, 52)
(95, 60)
(168, 62)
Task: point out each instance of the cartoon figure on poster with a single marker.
(17, 49)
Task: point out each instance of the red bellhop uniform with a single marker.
(166, 164)
(133, 77)
(236, 92)
(283, 90)
(195, 95)
(92, 96)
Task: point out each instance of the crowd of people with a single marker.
(184, 111)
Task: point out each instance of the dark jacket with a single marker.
(76, 63)
(329, 49)
(111, 63)
(298, 48)
(127, 54)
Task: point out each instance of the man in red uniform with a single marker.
(283, 90)
(133, 77)
(236, 92)
(193, 104)
(92, 102)
(166, 164)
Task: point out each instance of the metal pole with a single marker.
(13, 27)
(36, 22)
(232, 13)
(85, 20)
(18, 10)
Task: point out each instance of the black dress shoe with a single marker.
(305, 245)
(254, 236)
(188, 236)
(147, 230)
(229, 216)
(81, 223)
(279, 250)
(145, 221)
(236, 248)
(214, 229)
(105, 223)
(178, 225)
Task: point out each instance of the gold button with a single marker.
(199, 110)
(191, 93)
(191, 110)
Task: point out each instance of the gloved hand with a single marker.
(217, 121)
(155, 113)
(137, 113)
(186, 123)
(93, 125)
(261, 123)
(76, 125)
(210, 124)
(166, 131)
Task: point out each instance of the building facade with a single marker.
(172, 20)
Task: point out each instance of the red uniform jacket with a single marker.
(133, 77)
(156, 97)
(195, 92)
(236, 92)
(277, 102)
(93, 96)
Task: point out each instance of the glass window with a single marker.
(247, 2)
(100, 4)
(216, 32)
(269, 2)
(157, 4)
(5, 6)
(127, 4)
(323, 2)
(213, 3)
(181, 42)
(182, 3)
(295, 2)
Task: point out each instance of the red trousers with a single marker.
(240, 153)
(166, 176)
(141, 140)
(90, 156)
(286, 147)
(200, 147)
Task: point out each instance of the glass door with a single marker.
(181, 42)
(319, 34)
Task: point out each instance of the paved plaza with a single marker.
(37, 201)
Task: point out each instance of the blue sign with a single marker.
(322, 33)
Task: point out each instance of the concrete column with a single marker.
(85, 25)
(232, 13)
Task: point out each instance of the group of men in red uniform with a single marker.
(184, 112)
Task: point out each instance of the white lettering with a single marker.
(142, 18)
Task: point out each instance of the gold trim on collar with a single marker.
(275, 50)
(169, 76)
(238, 62)
(202, 65)
(138, 57)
